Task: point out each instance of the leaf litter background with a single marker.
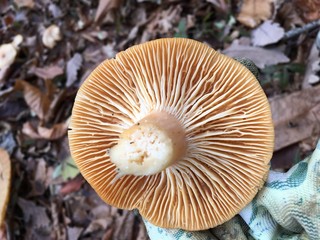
(48, 47)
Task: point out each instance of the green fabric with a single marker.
(286, 208)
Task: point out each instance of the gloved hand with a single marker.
(286, 208)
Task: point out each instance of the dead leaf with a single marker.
(169, 18)
(288, 16)
(309, 10)
(252, 12)
(295, 116)
(73, 67)
(35, 216)
(74, 232)
(42, 178)
(104, 6)
(267, 33)
(5, 180)
(49, 72)
(124, 225)
(55, 10)
(24, 3)
(109, 50)
(38, 102)
(55, 132)
(313, 67)
(260, 56)
(72, 186)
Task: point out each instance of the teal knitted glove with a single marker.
(286, 208)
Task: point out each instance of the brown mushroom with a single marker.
(175, 129)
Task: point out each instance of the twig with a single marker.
(297, 31)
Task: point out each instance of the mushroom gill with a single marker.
(175, 129)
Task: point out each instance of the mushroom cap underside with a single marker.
(219, 103)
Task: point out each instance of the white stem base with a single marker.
(150, 146)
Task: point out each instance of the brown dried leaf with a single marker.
(260, 56)
(72, 186)
(55, 132)
(38, 102)
(254, 11)
(309, 10)
(296, 116)
(49, 72)
(73, 67)
(5, 179)
(267, 33)
(104, 6)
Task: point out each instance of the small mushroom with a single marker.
(174, 129)
(51, 36)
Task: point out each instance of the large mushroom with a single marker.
(174, 129)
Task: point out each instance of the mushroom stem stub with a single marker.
(151, 145)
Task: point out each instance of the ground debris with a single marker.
(52, 46)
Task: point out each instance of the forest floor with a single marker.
(48, 48)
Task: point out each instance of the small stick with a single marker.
(297, 31)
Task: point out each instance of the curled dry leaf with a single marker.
(38, 102)
(267, 33)
(5, 179)
(51, 36)
(73, 67)
(252, 12)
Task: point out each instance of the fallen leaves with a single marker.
(49, 72)
(38, 101)
(309, 10)
(296, 116)
(55, 132)
(73, 67)
(260, 56)
(36, 219)
(72, 185)
(254, 11)
(53, 62)
(5, 180)
(267, 33)
(104, 6)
